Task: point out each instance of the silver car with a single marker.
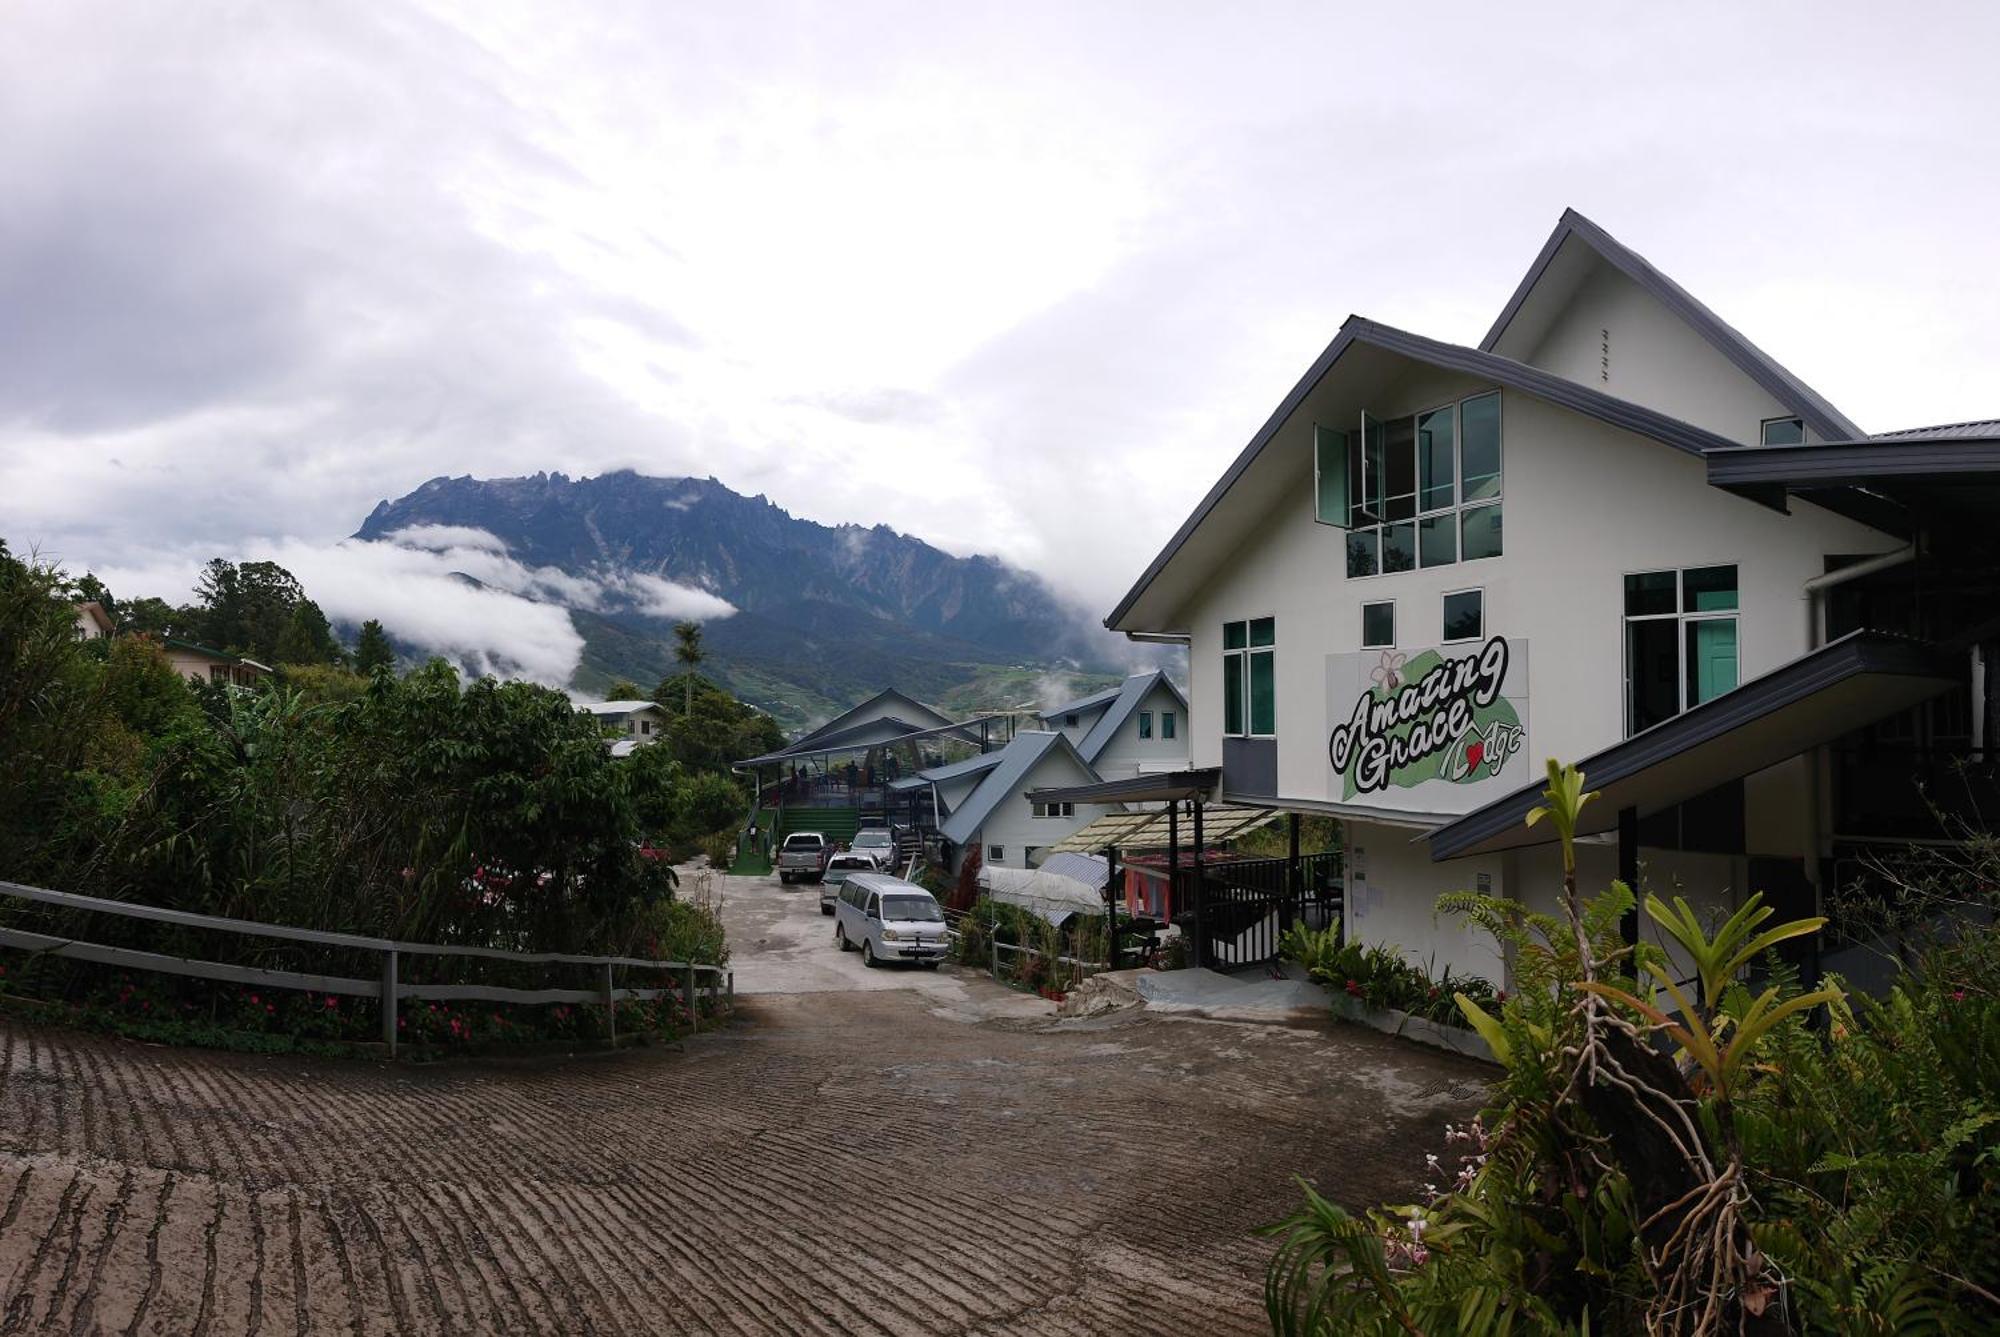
(879, 841)
(889, 919)
(838, 869)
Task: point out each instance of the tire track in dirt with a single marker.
(837, 1164)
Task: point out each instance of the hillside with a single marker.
(825, 613)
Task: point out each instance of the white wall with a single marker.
(1585, 503)
(1656, 359)
(1012, 825)
(1127, 754)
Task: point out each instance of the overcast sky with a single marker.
(1015, 278)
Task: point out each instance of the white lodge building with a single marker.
(1615, 533)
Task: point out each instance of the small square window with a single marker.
(1782, 432)
(1264, 631)
(1069, 721)
(1465, 615)
(995, 853)
(1378, 625)
(1234, 635)
(1145, 724)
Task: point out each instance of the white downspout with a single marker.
(1813, 593)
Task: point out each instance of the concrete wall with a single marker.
(1127, 754)
(1012, 825)
(1654, 358)
(1584, 504)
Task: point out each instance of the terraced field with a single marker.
(833, 1163)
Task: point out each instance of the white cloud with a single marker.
(657, 596)
(439, 538)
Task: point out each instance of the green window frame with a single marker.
(1250, 678)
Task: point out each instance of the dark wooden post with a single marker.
(1200, 892)
(1294, 884)
(1628, 871)
(1174, 907)
(1111, 906)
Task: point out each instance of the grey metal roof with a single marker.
(1874, 674)
(931, 714)
(1453, 357)
(1017, 759)
(1826, 420)
(1089, 869)
(844, 740)
(1077, 707)
(1986, 429)
(1130, 693)
(938, 775)
(619, 709)
(1167, 788)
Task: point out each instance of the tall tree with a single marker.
(687, 649)
(307, 639)
(372, 651)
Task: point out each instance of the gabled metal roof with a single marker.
(1985, 429)
(1825, 420)
(1017, 759)
(909, 705)
(985, 761)
(1134, 690)
(1492, 367)
(1091, 702)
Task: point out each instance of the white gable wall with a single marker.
(1127, 754)
(1012, 825)
(1584, 503)
(1654, 358)
(1086, 720)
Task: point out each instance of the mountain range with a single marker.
(826, 614)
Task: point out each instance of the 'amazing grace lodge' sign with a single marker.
(1436, 730)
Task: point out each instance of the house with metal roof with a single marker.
(1141, 730)
(201, 663)
(628, 724)
(995, 817)
(1615, 532)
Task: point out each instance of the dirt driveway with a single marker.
(926, 1154)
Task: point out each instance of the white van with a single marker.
(889, 919)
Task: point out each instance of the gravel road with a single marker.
(929, 1153)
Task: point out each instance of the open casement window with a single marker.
(1330, 451)
(1423, 490)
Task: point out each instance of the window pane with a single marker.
(1166, 724)
(1437, 539)
(1400, 468)
(1145, 724)
(1263, 693)
(1480, 528)
(1437, 460)
(1368, 502)
(1649, 592)
(1264, 631)
(1378, 625)
(1479, 429)
(1364, 552)
(1235, 635)
(1711, 658)
(1330, 476)
(1232, 694)
(1399, 547)
(1784, 432)
(1464, 615)
(1652, 688)
(1708, 589)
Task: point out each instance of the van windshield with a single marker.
(910, 907)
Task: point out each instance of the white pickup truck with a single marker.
(803, 856)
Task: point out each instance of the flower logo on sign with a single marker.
(1388, 674)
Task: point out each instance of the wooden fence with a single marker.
(685, 975)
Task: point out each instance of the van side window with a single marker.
(874, 905)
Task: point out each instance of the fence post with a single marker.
(389, 1001)
(687, 993)
(730, 981)
(610, 1005)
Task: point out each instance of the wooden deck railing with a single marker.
(720, 981)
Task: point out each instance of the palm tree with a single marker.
(687, 649)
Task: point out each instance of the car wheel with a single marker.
(868, 955)
(784, 879)
(840, 938)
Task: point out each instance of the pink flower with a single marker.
(1958, 995)
(271, 1008)
(253, 1000)
(331, 1001)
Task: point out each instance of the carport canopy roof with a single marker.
(1150, 830)
(1163, 788)
(1863, 677)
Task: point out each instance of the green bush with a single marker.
(1380, 977)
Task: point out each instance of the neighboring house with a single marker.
(942, 789)
(1141, 730)
(1615, 533)
(199, 663)
(995, 816)
(92, 622)
(1077, 718)
(639, 722)
(905, 713)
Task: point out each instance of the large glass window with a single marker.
(1413, 492)
(1680, 641)
(1250, 678)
